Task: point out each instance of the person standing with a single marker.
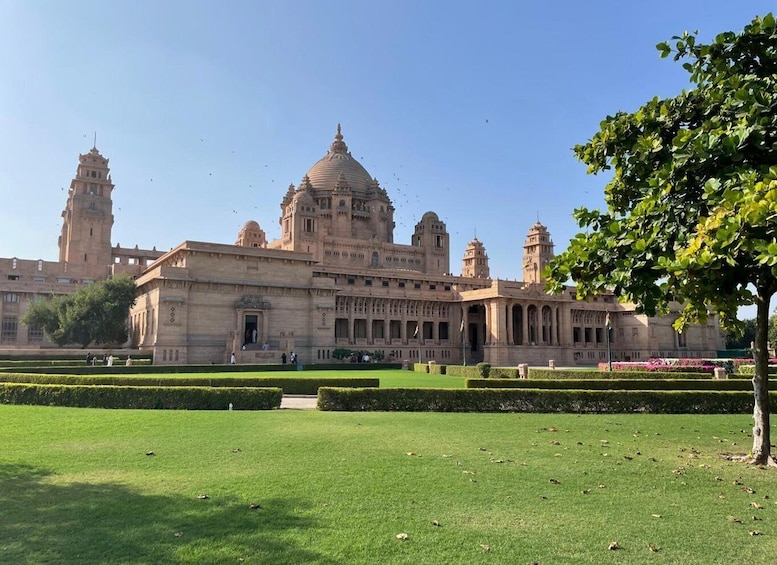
(232, 359)
(283, 358)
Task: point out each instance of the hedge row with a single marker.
(537, 401)
(168, 369)
(176, 398)
(619, 384)
(550, 374)
(289, 385)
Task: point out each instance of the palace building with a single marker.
(334, 279)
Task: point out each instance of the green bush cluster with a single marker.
(551, 374)
(749, 370)
(468, 371)
(619, 384)
(533, 400)
(180, 398)
(289, 385)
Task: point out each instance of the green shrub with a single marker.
(502, 373)
(181, 398)
(533, 400)
(436, 369)
(483, 370)
(289, 385)
(619, 384)
(469, 371)
(551, 374)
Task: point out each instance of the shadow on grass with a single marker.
(41, 522)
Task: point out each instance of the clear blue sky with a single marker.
(209, 110)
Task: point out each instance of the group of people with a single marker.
(107, 360)
(292, 358)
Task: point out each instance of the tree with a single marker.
(692, 204)
(95, 313)
(745, 339)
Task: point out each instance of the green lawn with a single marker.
(77, 486)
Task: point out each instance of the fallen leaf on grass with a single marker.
(754, 533)
(410, 453)
(178, 534)
(203, 496)
(756, 519)
(402, 536)
(733, 519)
(755, 505)
(656, 515)
(613, 546)
(150, 453)
(485, 547)
(436, 523)
(552, 429)
(654, 548)
(748, 490)
(554, 481)
(254, 506)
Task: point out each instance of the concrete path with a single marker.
(299, 402)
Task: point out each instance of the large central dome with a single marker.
(338, 161)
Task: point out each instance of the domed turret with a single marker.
(251, 235)
(475, 262)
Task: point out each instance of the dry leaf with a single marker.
(150, 453)
(254, 506)
(402, 536)
(178, 534)
(203, 496)
(411, 453)
(755, 505)
(613, 546)
(554, 481)
(653, 547)
(602, 485)
(587, 491)
(754, 533)
(656, 515)
(756, 519)
(485, 547)
(748, 490)
(734, 520)
(436, 523)
(552, 429)
(554, 442)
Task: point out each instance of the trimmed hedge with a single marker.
(166, 369)
(537, 401)
(176, 398)
(436, 369)
(619, 384)
(551, 374)
(289, 385)
(469, 371)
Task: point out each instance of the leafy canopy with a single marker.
(95, 313)
(692, 204)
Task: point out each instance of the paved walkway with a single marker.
(299, 402)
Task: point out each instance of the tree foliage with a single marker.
(746, 338)
(692, 204)
(94, 314)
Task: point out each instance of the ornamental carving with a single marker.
(252, 301)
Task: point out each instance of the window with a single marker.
(309, 225)
(432, 287)
(39, 279)
(8, 329)
(40, 265)
(401, 285)
(351, 281)
(35, 334)
(13, 263)
(368, 283)
(63, 280)
(13, 277)
(385, 283)
(11, 297)
(416, 285)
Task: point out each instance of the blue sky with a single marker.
(209, 110)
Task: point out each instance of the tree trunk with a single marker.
(761, 431)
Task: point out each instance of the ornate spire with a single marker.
(338, 145)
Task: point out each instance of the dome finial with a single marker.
(338, 145)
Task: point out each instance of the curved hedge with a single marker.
(210, 368)
(289, 385)
(619, 384)
(533, 400)
(176, 398)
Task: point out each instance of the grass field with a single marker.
(79, 486)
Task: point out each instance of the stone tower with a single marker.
(475, 262)
(88, 215)
(537, 252)
(432, 235)
(251, 235)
